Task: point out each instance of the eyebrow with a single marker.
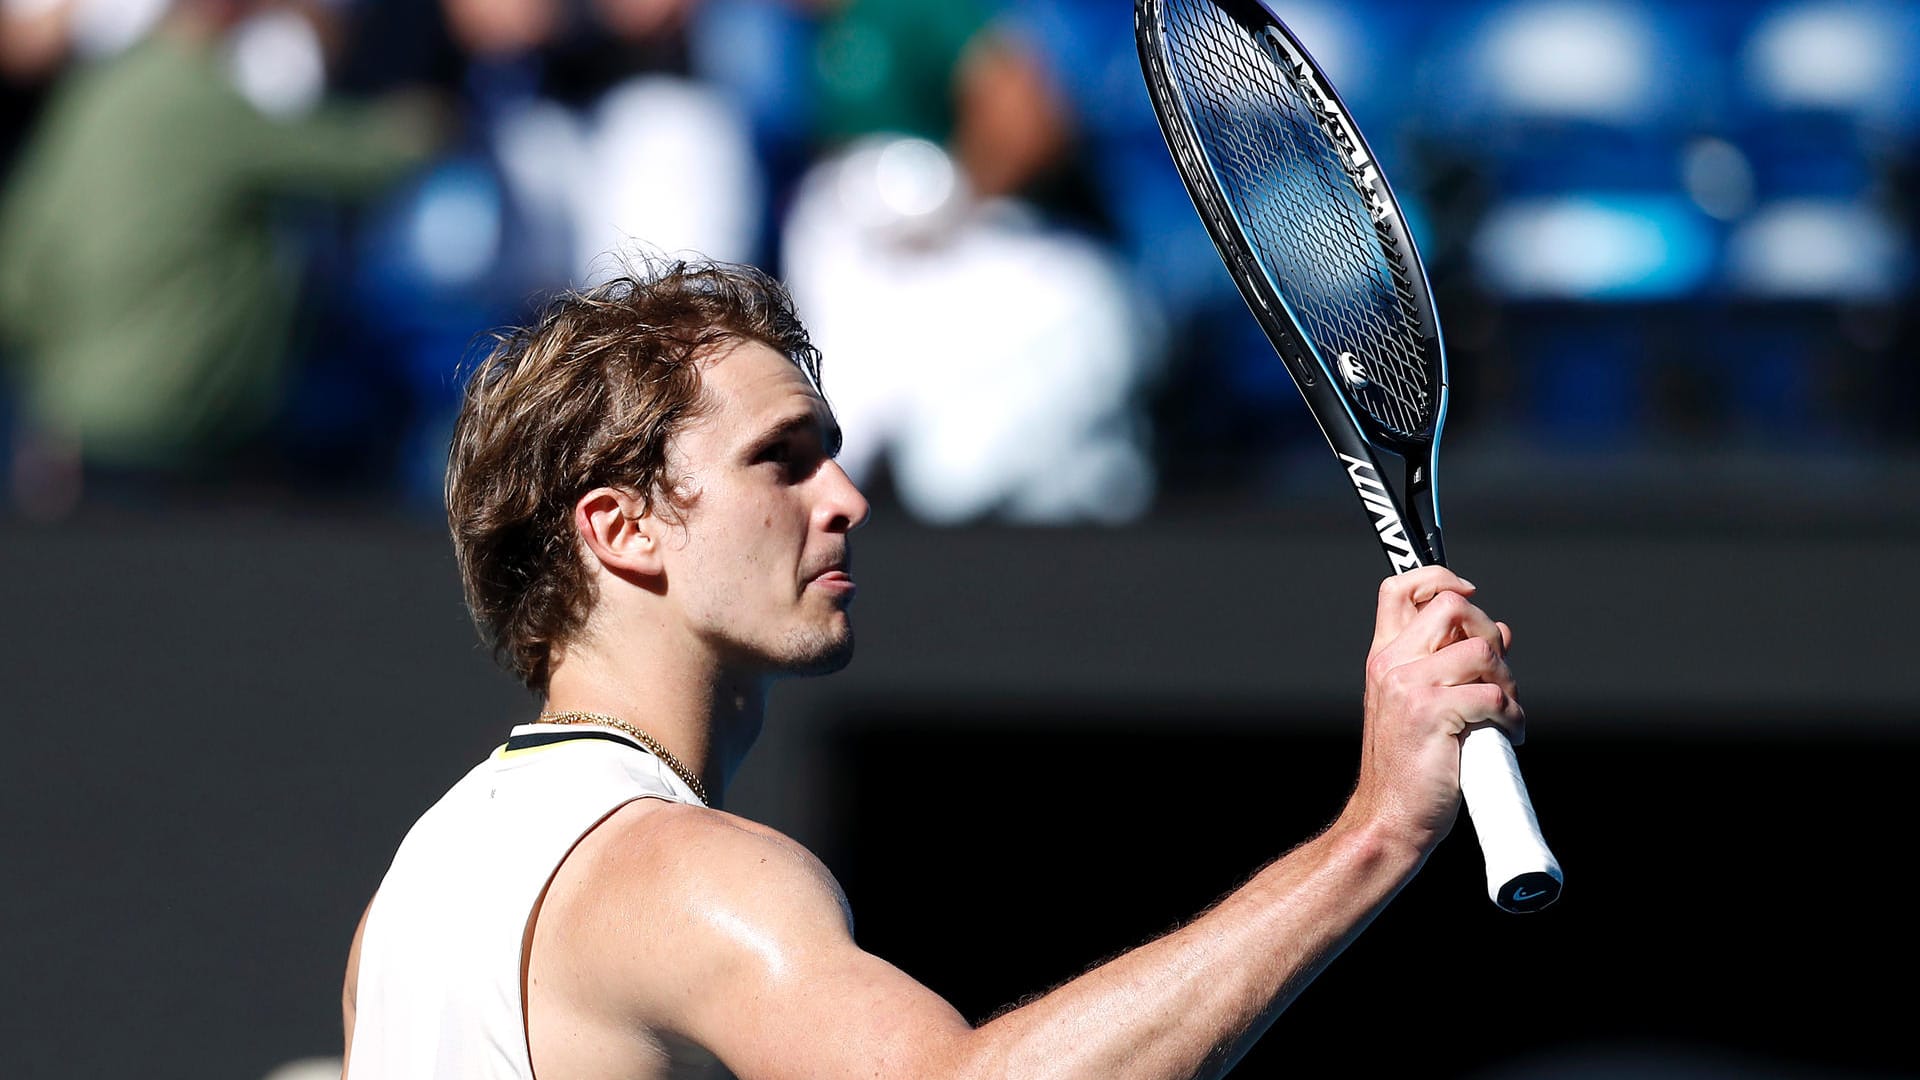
(798, 422)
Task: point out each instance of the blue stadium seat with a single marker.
(1580, 113)
(1570, 93)
(1848, 59)
(1579, 116)
(1826, 96)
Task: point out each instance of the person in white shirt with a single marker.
(652, 529)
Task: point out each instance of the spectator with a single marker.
(668, 161)
(585, 131)
(478, 230)
(992, 360)
(143, 283)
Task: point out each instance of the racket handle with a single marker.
(1522, 875)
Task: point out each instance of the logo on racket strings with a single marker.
(1353, 154)
(1352, 370)
(1386, 520)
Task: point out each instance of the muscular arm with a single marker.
(739, 940)
(1192, 1002)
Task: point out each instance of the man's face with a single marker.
(758, 565)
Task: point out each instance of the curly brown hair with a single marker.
(588, 394)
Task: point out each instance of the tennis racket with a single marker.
(1313, 236)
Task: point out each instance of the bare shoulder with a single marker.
(673, 926)
(674, 853)
(662, 902)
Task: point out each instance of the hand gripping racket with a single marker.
(1309, 230)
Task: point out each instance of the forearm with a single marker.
(344, 149)
(1190, 1003)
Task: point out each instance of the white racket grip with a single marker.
(1522, 875)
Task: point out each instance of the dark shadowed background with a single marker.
(1052, 745)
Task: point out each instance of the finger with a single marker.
(1443, 620)
(1506, 638)
(1463, 662)
(1478, 704)
(1403, 595)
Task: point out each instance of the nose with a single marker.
(842, 508)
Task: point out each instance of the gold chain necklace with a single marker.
(646, 740)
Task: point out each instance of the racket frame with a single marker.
(1392, 473)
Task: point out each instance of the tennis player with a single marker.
(651, 528)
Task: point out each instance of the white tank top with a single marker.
(438, 996)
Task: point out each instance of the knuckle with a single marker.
(1378, 667)
(1483, 700)
(1397, 680)
(1481, 652)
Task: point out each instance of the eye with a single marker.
(787, 457)
(797, 456)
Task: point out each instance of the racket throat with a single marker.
(1394, 490)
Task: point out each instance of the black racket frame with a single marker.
(1399, 496)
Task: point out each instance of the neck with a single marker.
(705, 716)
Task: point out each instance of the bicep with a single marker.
(826, 1007)
(754, 958)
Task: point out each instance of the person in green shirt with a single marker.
(959, 73)
(146, 296)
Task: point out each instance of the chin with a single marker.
(827, 660)
(817, 651)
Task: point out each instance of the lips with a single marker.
(833, 579)
(841, 566)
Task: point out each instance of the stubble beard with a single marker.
(816, 650)
(813, 649)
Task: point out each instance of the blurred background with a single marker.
(245, 246)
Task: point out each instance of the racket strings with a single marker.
(1286, 179)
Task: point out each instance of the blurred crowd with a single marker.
(246, 245)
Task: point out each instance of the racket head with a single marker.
(1310, 231)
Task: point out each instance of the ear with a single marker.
(619, 532)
